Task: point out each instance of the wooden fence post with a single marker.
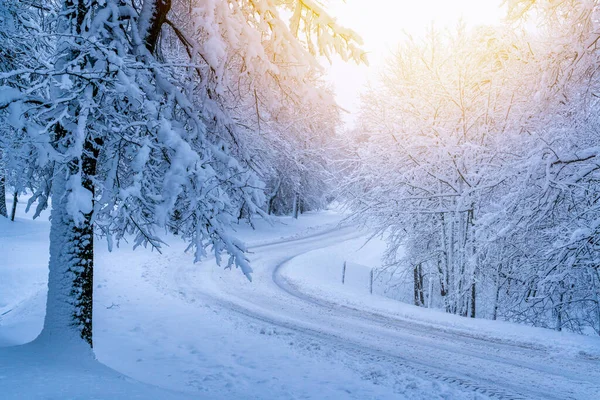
(344, 273)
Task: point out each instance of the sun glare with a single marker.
(384, 23)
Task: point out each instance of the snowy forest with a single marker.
(473, 156)
(476, 155)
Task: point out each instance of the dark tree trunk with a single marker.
(418, 286)
(245, 214)
(176, 221)
(3, 210)
(271, 203)
(273, 197)
(497, 292)
(85, 280)
(462, 297)
(559, 313)
(296, 206)
(473, 297)
(14, 205)
(443, 285)
(421, 290)
(155, 12)
(69, 308)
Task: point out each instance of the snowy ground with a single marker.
(197, 331)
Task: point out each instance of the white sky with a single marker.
(382, 23)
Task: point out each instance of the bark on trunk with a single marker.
(559, 313)
(152, 17)
(469, 239)
(70, 279)
(418, 285)
(3, 210)
(443, 286)
(296, 207)
(273, 197)
(430, 292)
(497, 293)
(14, 205)
(271, 203)
(473, 300)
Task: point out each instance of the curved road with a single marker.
(493, 367)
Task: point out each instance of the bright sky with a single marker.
(382, 23)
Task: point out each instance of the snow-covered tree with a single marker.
(135, 136)
(23, 45)
(491, 135)
(555, 216)
(438, 111)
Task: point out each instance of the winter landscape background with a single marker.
(243, 199)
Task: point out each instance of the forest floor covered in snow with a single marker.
(166, 328)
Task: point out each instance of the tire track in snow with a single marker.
(341, 345)
(440, 336)
(341, 342)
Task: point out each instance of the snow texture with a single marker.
(204, 332)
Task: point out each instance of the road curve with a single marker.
(490, 366)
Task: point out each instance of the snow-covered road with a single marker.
(486, 363)
(293, 333)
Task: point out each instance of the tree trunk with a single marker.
(473, 297)
(452, 275)
(270, 205)
(295, 208)
(469, 239)
(3, 210)
(430, 292)
(14, 205)
(176, 220)
(273, 197)
(70, 279)
(152, 17)
(462, 304)
(418, 285)
(443, 286)
(421, 290)
(559, 313)
(497, 293)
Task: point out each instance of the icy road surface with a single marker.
(492, 364)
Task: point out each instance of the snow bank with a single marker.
(32, 371)
(318, 274)
(35, 372)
